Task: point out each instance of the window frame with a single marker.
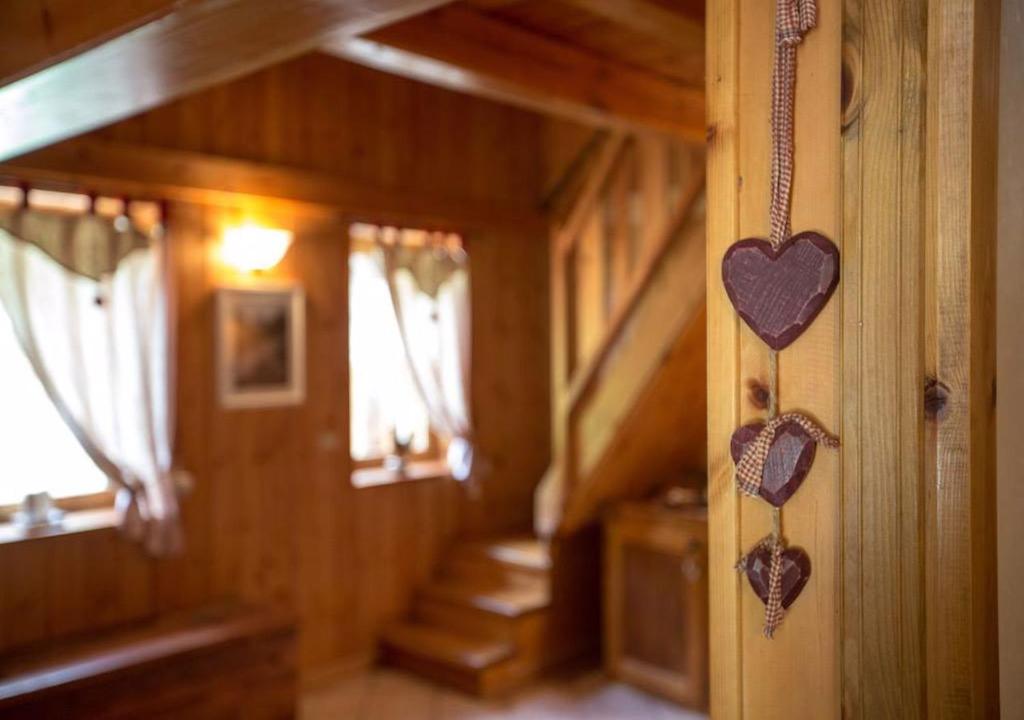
(370, 472)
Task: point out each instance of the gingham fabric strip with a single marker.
(794, 18)
(750, 468)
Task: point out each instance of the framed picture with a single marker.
(261, 356)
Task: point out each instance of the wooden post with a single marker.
(895, 161)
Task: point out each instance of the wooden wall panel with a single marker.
(1010, 334)
(883, 358)
(273, 517)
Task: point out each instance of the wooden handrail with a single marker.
(583, 379)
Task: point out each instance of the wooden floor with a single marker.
(384, 694)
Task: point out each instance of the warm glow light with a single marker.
(253, 248)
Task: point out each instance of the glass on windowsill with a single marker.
(38, 511)
(396, 461)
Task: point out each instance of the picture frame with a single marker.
(261, 346)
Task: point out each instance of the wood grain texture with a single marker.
(273, 517)
(589, 26)
(960, 216)
(1010, 347)
(461, 48)
(804, 656)
(649, 19)
(199, 44)
(883, 359)
(40, 33)
(724, 391)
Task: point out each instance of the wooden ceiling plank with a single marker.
(465, 50)
(199, 44)
(649, 19)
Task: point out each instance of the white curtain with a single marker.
(101, 348)
(430, 292)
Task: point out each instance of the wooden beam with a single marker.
(145, 171)
(40, 33)
(465, 50)
(201, 43)
(648, 18)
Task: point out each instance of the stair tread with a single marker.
(524, 551)
(446, 646)
(510, 600)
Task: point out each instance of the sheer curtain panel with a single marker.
(88, 297)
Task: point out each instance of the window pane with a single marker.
(383, 395)
(37, 450)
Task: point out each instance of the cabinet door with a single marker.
(656, 608)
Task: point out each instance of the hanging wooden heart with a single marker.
(796, 571)
(789, 458)
(778, 293)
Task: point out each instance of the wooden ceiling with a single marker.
(633, 63)
(663, 37)
(65, 69)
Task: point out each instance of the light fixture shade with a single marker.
(250, 248)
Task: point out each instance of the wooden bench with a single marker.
(227, 662)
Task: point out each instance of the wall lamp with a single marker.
(252, 248)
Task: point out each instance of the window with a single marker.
(38, 452)
(384, 403)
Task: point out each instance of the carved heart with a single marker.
(779, 293)
(796, 571)
(789, 458)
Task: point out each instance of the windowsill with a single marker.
(415, 470)
(78, 521)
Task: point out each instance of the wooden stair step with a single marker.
(509, 560)
(526, 552)
(510, 601)
(446, 647)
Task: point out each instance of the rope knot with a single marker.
(795, 19)
(773, 610)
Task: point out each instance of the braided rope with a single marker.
(793, 19)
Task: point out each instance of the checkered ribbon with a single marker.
(793, 18)
(773, 610)
(750, 468)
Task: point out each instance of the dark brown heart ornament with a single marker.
(778, 293)
(796, 571)
(789, 458)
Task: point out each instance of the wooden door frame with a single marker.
(895, 162)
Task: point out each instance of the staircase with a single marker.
(484, 624)
(628, 332)
(629, 410)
